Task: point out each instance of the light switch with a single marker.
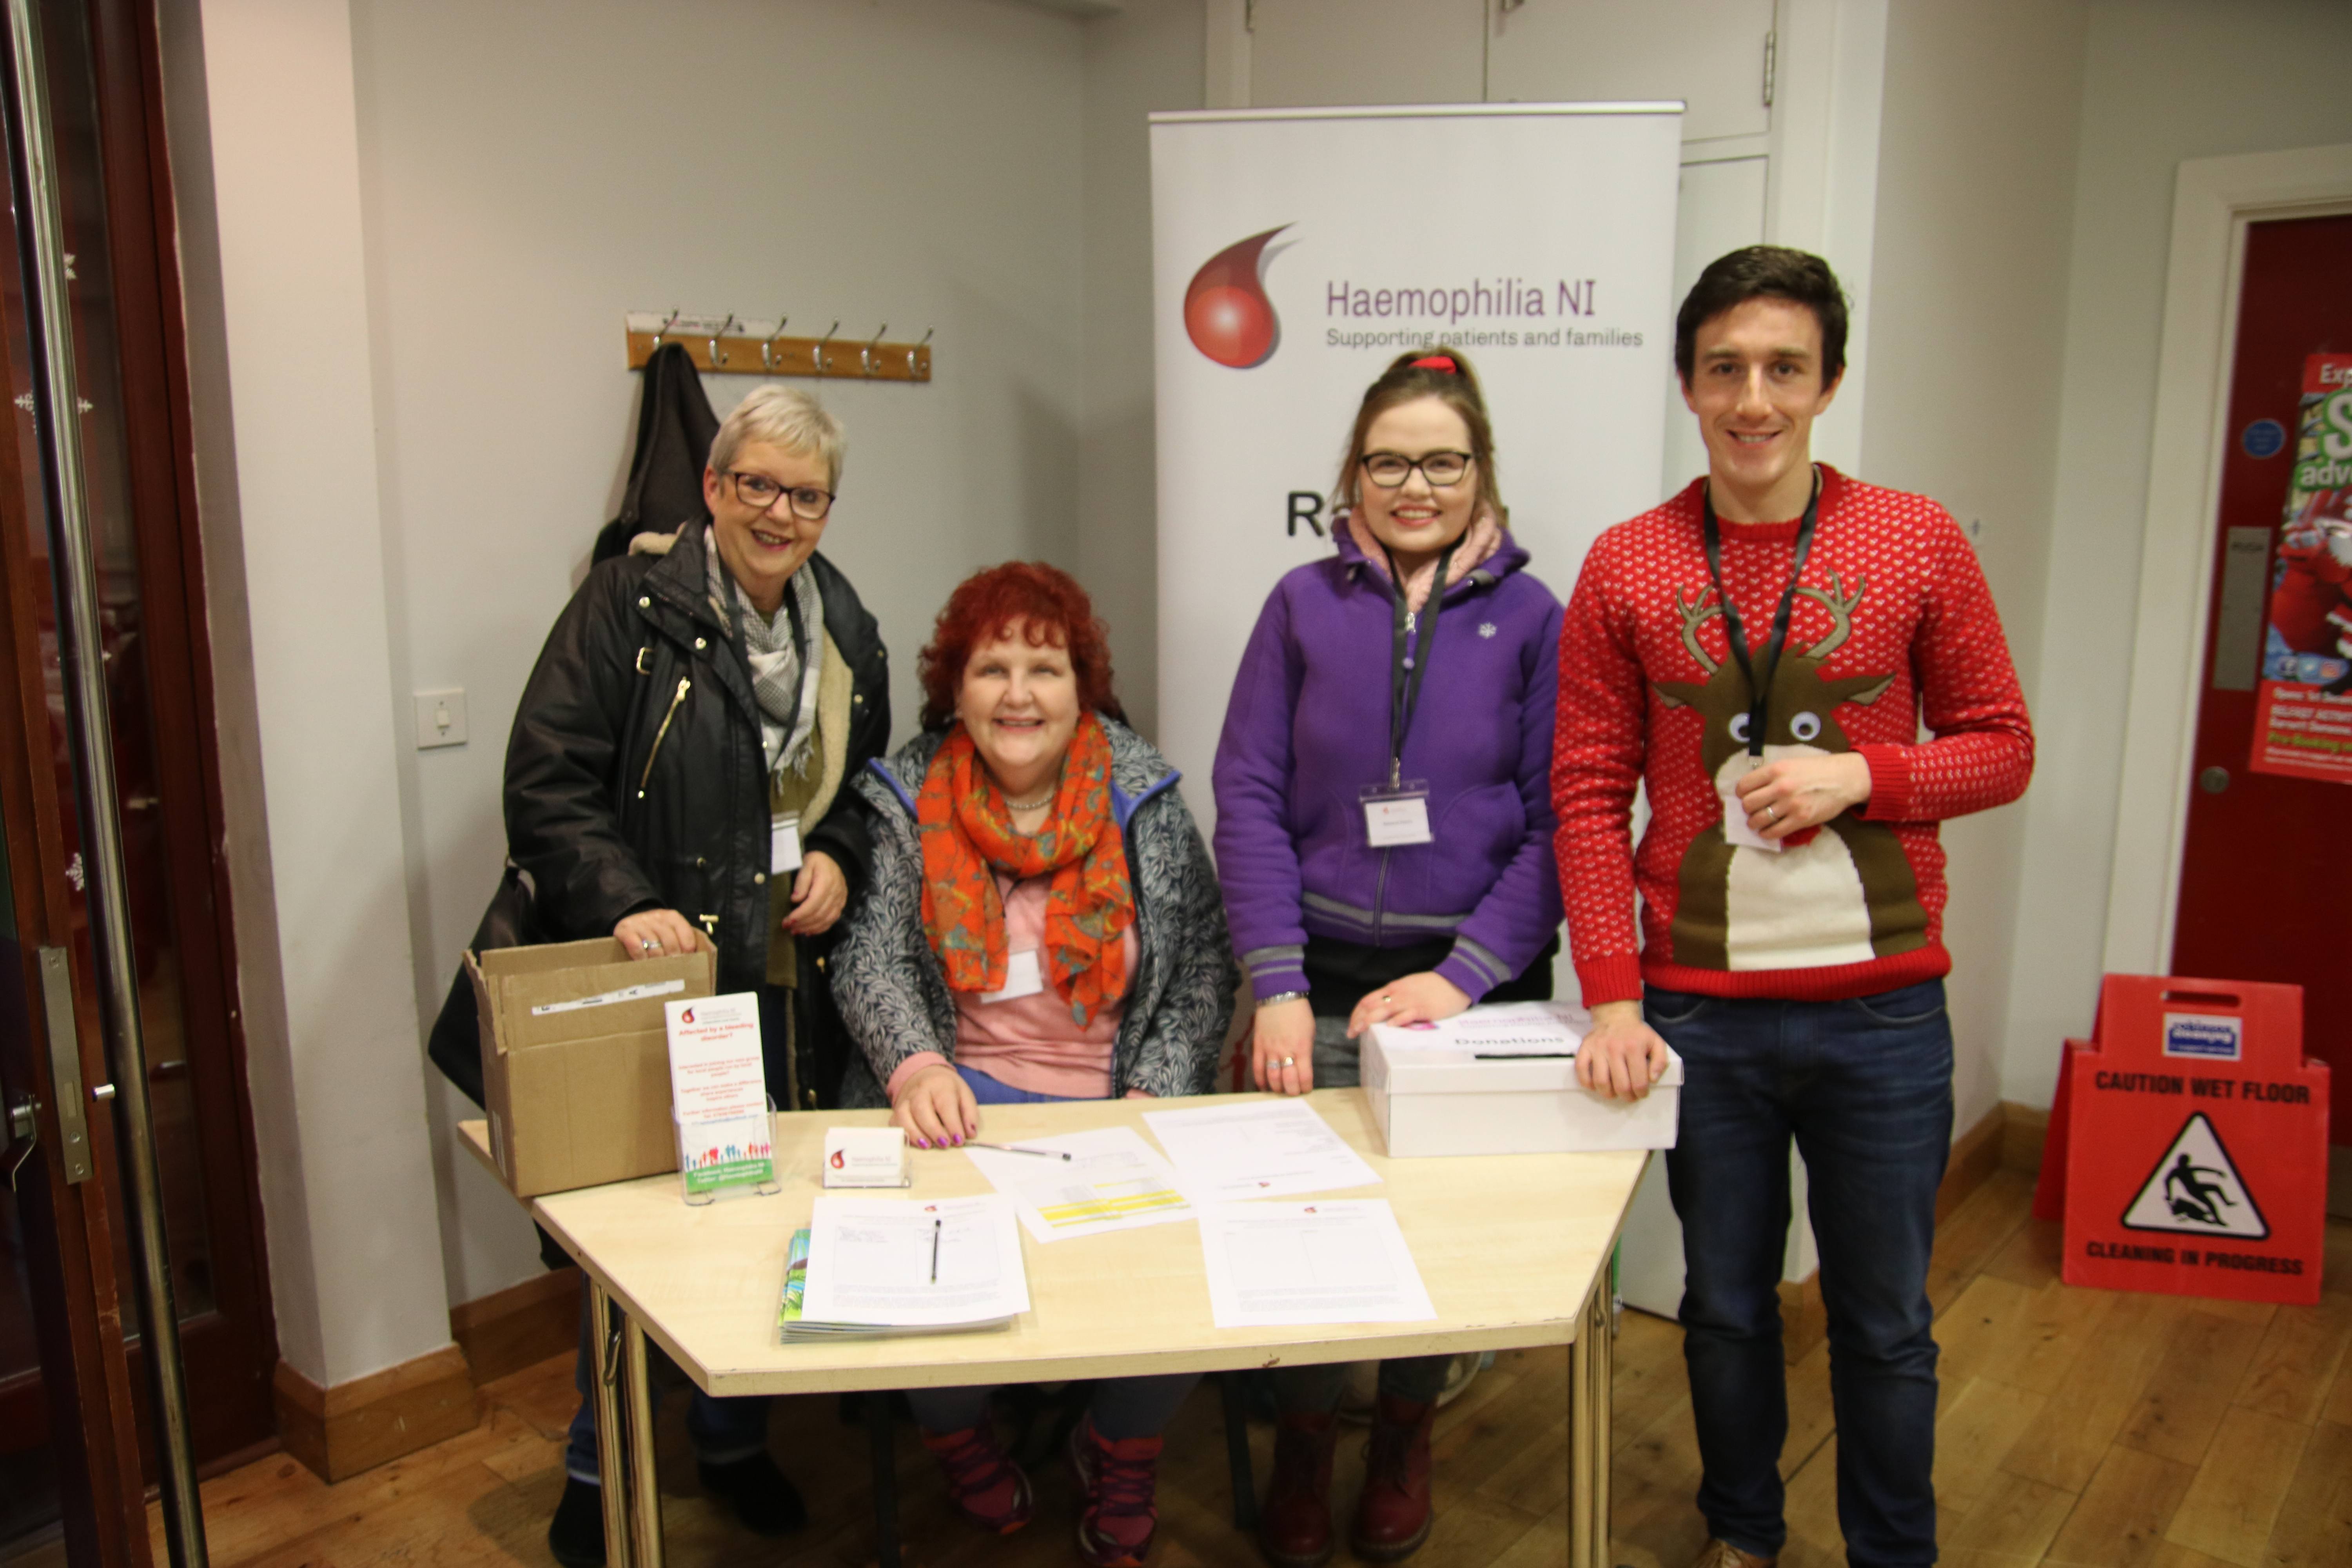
(440, 719)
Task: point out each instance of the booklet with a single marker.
(905, 1266)
(1112, 1181)
(1259, 1149)
(1326, 1261)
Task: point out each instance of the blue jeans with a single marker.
(1865, 1087)
(996, 1091)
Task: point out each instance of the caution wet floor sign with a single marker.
(2187, 1149)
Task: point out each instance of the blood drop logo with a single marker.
(1226, 312)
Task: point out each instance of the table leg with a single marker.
(645, 1494)
(1237, 1452)
(612, 1446)
(882, 1442)
(1589, 1364)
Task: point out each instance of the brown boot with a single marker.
(1392, 1517)
(1293, 1523)
(1723, 1555)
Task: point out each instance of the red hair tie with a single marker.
(1438, 361)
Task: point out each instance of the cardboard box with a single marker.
(1447, 1101)
(578, 1095)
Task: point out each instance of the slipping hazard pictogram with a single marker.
(2196, 1190)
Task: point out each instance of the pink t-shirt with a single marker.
(1032, 1042)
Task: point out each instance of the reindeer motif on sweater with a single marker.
(1842, 893)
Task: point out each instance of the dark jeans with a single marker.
(1865, 1088)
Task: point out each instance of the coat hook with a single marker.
(662, 336)
(823, 360)
(767, 358)
(911, 353)
(866, 355)
(718, 354)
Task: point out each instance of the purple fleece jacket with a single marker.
(1309, 726)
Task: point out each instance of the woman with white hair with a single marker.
(675, 779)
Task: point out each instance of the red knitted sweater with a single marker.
(1894, 626)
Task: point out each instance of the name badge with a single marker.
(1736, 831)
(783, 843)
(1396, 816)
(1023, 977)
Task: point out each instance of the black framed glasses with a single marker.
(760, 493)
(1390, 470)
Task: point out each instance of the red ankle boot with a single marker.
(1392, 1518)
(1117, 1481)
(1293, 1523)
(984, 1482)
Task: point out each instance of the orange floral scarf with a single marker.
(968, 834)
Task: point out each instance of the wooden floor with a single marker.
(2075, 1427)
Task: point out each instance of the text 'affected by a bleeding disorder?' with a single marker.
(1557, 338)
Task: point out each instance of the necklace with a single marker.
(1043, 800)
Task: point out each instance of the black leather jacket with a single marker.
(636, 781)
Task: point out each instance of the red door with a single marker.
(2264, 894)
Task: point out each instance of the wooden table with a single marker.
(1513, 1248)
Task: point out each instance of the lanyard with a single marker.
(1758, 691)
(1408, 669)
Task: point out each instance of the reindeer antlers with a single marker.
(1840, 605)
(1694, 615)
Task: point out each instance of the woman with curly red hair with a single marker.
(1040, 923)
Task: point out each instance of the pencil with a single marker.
(935, 1249)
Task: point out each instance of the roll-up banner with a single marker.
(1296, 252)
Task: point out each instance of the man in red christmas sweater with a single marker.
(1760, 652)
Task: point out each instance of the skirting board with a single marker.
(520, 1326)
(352, 1427)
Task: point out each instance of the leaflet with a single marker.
(716, 1070)
(1503, 1029)
(913, 1263)
(1113, 1181)
(1259, 1149)
(1328, 1261)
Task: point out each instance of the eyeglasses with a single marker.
(1390, 470)
(759, 493)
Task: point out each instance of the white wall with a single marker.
(1149, 57)
(533, 169)
(1976, 177)
(271, 230)
(2163, 81)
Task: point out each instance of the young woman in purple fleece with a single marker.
(1385, 835)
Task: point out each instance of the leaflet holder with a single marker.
(2188, 1144)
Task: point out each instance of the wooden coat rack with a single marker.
(728, 345)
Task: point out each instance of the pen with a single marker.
(1017, 1148)
(935, 1249)
(1524, 1057)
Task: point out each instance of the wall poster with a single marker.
(2303, 716)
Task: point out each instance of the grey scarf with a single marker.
(785, 654)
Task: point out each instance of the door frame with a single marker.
(2214, 200)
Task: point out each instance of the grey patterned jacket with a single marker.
(893, 992)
